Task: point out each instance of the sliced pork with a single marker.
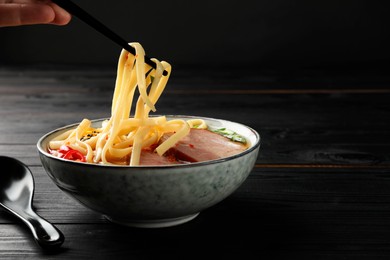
(149, 157)
(203, 145)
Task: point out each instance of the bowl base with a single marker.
(153, 223)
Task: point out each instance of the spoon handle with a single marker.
(45, 234)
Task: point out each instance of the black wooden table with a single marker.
(320, 188)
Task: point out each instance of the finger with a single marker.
(24, 14)
(62, 17)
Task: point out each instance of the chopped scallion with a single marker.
(230, 135)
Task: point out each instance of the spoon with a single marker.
(16, 196)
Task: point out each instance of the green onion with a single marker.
(230, 135)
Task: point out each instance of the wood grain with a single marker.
(320, 188)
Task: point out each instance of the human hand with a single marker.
(26, 12)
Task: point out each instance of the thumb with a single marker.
(24, 14)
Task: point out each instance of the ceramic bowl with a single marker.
(152, 196)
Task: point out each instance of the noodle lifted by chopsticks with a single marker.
(122, 138)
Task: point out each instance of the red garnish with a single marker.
(74, 155)
(191, 145)
(62, 151)
(70, 154)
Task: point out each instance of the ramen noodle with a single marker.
(122, 135)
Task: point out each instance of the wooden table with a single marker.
(320, 188)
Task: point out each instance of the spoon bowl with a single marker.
(16, 196)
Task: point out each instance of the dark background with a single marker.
(216, 33)
(320, 188)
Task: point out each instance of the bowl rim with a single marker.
(250, 149)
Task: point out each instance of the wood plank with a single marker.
(241, 231)
(359, 132)
(321, 147)
(314, 189)
(308, 110)
(320, 188)
(198, 77)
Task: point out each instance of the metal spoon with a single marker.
(16, 196)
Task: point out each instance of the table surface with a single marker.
(320, 188)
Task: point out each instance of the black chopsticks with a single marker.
(77, 11)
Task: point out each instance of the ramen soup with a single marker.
(128, 138)
(198, 146)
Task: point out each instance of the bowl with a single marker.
(152, 196)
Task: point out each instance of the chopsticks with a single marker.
(77, 11)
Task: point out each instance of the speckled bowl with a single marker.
(152, 196)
